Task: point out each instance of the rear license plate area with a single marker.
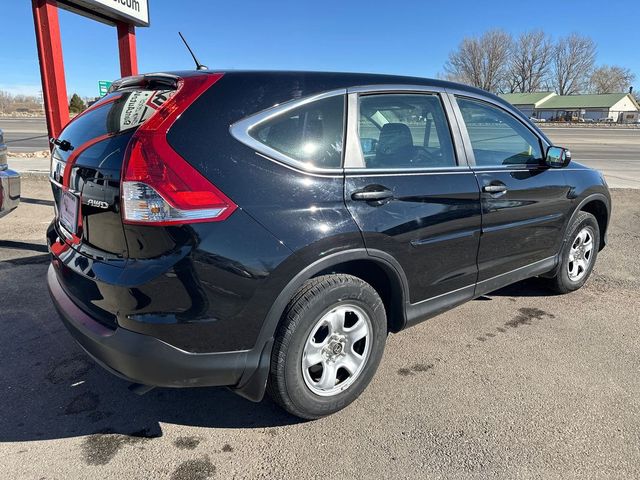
(68, 211)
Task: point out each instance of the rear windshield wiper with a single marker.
(63, 145)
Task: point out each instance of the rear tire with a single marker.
(578, 255)
(328, 346)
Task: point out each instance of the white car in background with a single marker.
(9, 182)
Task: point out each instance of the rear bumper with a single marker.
(9, 191)
(141, 358)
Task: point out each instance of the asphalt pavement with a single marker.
(615, 151)
(517, 384)
(25, 134)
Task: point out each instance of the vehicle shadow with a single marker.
(37, 201)
(17, 245)
(531, 287)
(52, 389)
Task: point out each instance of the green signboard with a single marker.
(103, 87)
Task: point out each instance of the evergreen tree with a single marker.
(76, 105)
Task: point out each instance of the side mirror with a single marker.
(369, 145)
(557, 157)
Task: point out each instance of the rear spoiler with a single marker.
(151, 81)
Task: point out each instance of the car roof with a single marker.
(346, 79)
(349, 79)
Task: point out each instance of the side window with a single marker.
(311, 134)
(496, 137)
(405, 131)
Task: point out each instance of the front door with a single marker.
(524, 203)
(414, 196)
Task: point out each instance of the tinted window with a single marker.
(117, 112)
(310, 134)
(107, 154)
(496, 137)
(405, 131)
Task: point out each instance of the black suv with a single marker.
(267, 230)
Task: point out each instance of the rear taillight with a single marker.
(159, 187)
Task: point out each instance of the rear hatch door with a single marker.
(86, 166)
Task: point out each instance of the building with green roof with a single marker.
(618, 107)
(527, 102)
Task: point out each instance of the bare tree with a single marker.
(573, 60)
(5, 101)
(18, 102)
(482, 61)
(530, 62)
(611, 79)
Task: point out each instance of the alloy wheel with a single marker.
(580, 254)
(336, 350)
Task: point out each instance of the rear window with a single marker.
(311, 134)
(117, 112)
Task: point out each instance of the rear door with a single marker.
(86, 165)
(524, 203)
(410, 190)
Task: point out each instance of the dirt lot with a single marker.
(517, 384)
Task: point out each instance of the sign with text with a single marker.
(134, 12)
(103, 87)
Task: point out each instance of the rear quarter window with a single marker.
(311, 134)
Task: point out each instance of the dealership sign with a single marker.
(135, 12)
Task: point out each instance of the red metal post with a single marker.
(127, 49)
(54, 89)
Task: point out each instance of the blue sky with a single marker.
(412, 38)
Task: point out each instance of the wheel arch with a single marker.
(598, 202)
(384, 279)
(598, 208)
(374, 267)
(599, 205)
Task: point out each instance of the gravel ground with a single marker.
(518, 384)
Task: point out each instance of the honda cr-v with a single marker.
(267, 230)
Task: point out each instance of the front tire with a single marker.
(578, 255)
(328, 346)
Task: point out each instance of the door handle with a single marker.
(494, 188)
(372, 195)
